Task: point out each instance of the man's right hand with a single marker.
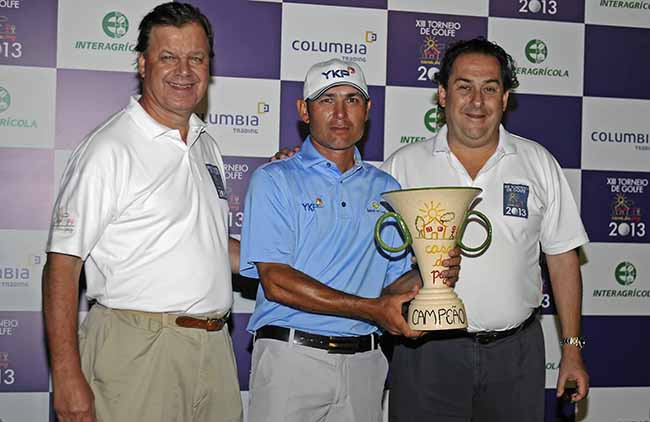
(389, 313)
(74, 401)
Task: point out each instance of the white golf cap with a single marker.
(324, 75)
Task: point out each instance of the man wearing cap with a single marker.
(308, 236)
(142, 206)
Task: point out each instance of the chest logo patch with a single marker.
(515, 200)
(215, 174)
(312, 206)
(375, 206)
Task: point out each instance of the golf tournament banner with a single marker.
(66, 65)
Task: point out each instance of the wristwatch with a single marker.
(578, 342)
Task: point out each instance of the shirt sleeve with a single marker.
(85, 204)
(268, 231)
(562, 228)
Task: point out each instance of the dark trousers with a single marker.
(445, 378)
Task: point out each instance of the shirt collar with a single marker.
(154, 129)
(311, 156)
(506, 142)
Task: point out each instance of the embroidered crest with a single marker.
(217, 180)
(515, 200)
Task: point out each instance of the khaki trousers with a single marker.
(143, 369)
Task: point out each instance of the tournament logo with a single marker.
(435, 35)
(431, 53)
(7, 375)
(236, 174)
(432, 223)
(544, 7)
(9, 47)
(515, 200)
(238, 171)
(7, 30)
(5, 99)
(537, 52)
(625, 273)
(115, 24)
(215, 174)
(625, 218)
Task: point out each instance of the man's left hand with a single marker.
(572, 368)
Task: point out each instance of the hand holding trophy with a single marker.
(432, 221)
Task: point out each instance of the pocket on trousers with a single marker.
(260, 352)
(129, 354)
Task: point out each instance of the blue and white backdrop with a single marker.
(585, 94)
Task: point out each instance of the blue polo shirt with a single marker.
(305, 213)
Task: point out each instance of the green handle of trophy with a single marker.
(461, 232)
(402, 226)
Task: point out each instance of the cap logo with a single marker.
(336, 73)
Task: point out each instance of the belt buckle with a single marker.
(213, 324)
(485, 338)
(347, 348)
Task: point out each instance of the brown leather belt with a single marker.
(207, 323)
(333, 344)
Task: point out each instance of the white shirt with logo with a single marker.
(149, 216)
(529, 203)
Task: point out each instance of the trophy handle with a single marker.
(488, 239)
(405, 231)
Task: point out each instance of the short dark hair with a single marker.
(482, 46)
(172, 14)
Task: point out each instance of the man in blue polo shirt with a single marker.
(308, 237)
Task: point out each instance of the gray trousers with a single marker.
(292, 383)
(457, 379)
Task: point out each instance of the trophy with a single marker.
(432, 221)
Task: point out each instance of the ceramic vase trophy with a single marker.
(432, 221)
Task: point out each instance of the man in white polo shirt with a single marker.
(142, 206)
(495, 371)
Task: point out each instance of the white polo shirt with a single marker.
(149, 216)
(529, 203)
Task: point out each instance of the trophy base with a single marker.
(429, 314)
